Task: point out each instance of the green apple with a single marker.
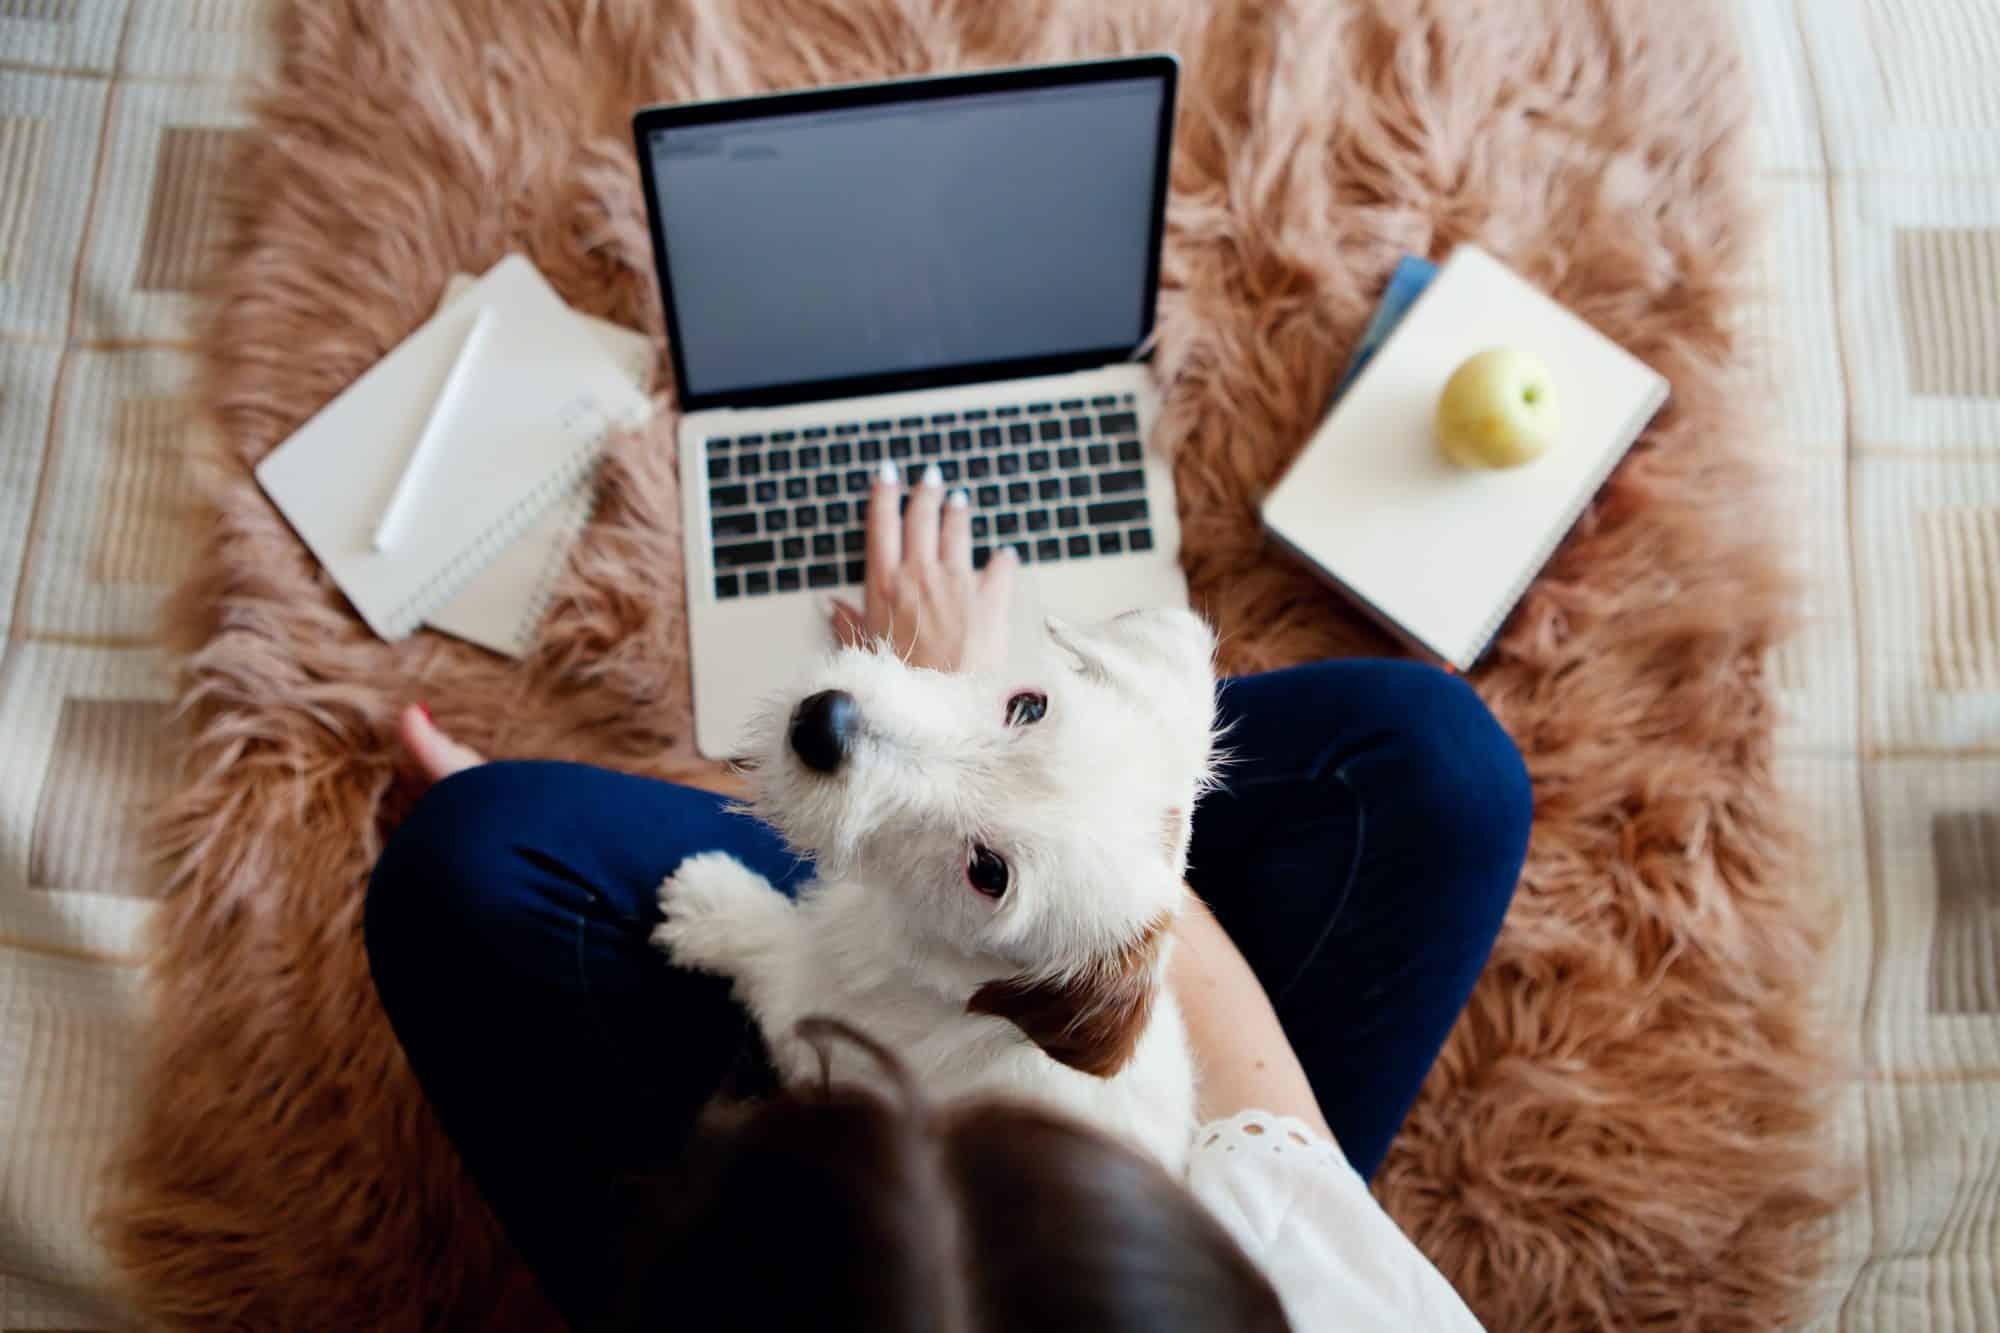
(1498, 409)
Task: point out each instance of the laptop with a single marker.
(959, 271)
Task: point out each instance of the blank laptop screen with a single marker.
(895, 239)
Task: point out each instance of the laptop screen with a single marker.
(871, 246)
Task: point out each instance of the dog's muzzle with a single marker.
(823, 728)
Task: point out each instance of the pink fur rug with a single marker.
(1625, 1129)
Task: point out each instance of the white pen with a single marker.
(435, 425)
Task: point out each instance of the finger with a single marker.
(996, 581)
(885, 527)
(849, 624)
(920, 524)
(435, 754)
(955, 547)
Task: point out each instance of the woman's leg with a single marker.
(1361, 851)
(507, 926)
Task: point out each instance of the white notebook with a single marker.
(502, 607)
(544, 398)
(1440, 553)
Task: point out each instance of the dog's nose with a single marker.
(823, 727)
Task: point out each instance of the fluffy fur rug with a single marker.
(1624, 1130)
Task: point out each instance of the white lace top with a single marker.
(1299, 1210)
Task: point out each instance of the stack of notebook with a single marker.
(447, 484)
(1437, 553)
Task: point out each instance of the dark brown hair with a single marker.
(840, 1208)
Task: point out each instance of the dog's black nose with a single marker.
(823, 727)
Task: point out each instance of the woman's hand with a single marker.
(922, 594)
(433, 754)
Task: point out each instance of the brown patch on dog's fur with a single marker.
(1090, 1021)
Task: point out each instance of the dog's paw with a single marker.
(717, 913)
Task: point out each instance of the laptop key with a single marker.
(1129, 451)
(750, 441)
(822, 544)
(848, 428)
(1068, 516)
(783, 436)
(822, 576)
(988, 496)
(826, 483)
(853, 540)
(1117, 483)
(960, 441)
(855, 570)
(738, 554)
(757, 581)
(1049, 488)
(809, 456)
(1040, 409)
(726, 585)
(718, 469)
(728, 497)
(877, 427)
(1139, 539)
(930, 444)
(981, 525)
(796, 488)
(766, 492)
(870, 451)
(814, 433)
(840, 455)
(788, 579)
(742, 524)
(1104, 400)
(949, 469)
(981, 554)
(1019, 492)
(806, 516)
(749, 465)
(1079, 486)
(1007, 524)
(1009, 464)
(1038, 460)
(1038, 520)
(775, 521)
(857, 482)
(989, 436)
(973, 414)
(718, 444)
(836, 513)
(976, 468)
(1009, 411)
(1071, 404)
(1020, 433)
(795, 548)
(1079, 545)
(779, 460)
(899, 446)
(1048, 548)
(1116, 511)
(1080, 427)
(1118, 423)
(1069, 456)
(1050, 429)
(1021, 549)
(1109, 543)
(910, 423)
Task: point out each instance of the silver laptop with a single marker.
(959, 271)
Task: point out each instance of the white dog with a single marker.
(998, 862)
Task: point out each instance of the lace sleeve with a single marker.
(1289, 1197)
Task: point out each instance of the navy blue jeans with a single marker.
(1361, 853)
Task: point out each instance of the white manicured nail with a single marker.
(931, 477)
(887, 475)
(958, 499)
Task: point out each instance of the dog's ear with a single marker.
(1090, 1021)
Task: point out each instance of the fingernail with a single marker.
(932, 477)
(886, 474)
(958, 499)
(425, 710)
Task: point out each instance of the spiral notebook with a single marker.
(1438, 553)
(545, 398)
(502, 607)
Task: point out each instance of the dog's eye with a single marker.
(1027, 708)
(986, 872)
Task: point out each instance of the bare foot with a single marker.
(436, 755)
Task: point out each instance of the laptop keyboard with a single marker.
(1057, 480)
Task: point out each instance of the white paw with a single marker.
(718, 914)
